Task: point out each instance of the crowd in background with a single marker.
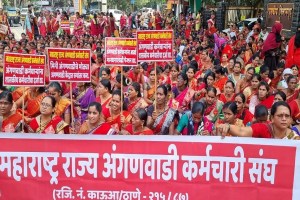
(237, 83)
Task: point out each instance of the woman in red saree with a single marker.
(279, 127)
(112, 25)
(94, 123)
(149, 87)
(229, 111)
(103, 92)
(161, 120)
(47, 122)
(191, 77)
(252, 90)
(295, 108)
(158, 21)
(277, 76)
(291, 92)
(242, 113)
(205, 64)
(173, 75)
(225, 60)
(42, 24)
(182, 93)
(293, 54)
(245, 82)
(239, 43)
(62, 107)
(95, 26)
(135, 99)
(78, 26)
(12, 120)
(32, 99)
(228, 94)
(112, 112)
(138, 125)
(220, 80)
(295, 69)
(213, 107)
(96, 69)
(262, 97)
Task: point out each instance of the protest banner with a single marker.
(69, 65)
(65, 25)
(155, 45)
(120, 52)
(147, 167)
(24, 70)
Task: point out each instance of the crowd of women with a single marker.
(240, 83)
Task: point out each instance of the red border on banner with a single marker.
(120, 50)
(155, 45)
(76, 65)
(23, 69)
(88, 167)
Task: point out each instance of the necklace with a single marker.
(42, 126)
(94, 127)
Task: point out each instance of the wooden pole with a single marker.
(155, 87)
(23, 109)
(72, 106)
(122, 89)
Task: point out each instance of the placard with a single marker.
(120, 51)
(69, 65)
(88, 167)
(155, 45)
(65, 25)
(24, 70)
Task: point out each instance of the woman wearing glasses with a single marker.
(11, 121)
(278, 128)
(47, 121)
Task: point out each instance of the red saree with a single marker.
(33, 105)
(224, 99)
(115, 121)
(293, 96)
(12, 123)
(245, 115)
(293, 54)
(103, 129)
(18, 93)
(56, 125)
(139, 103)
(184, 98)
(295, 108)
(220, 83)
(147, 131)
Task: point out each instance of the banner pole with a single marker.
(72, 106)
(122, 100)
(23, 109)
(155, 87)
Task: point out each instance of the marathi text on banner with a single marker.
(69, 65)
(115, 171)
(155, 45)
(120, 52)
(24, 70)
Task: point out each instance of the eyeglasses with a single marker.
(281, 116)
(47, 105)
